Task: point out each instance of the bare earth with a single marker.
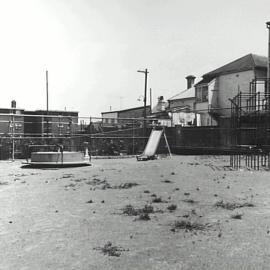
(62, 219)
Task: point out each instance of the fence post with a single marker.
(132, 136)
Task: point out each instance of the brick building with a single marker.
(114, 117)
(51, 124)
(11, 121)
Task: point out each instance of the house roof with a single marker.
(188, 93)
(126, 110)
(247, 62)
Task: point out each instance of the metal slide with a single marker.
(151, 146)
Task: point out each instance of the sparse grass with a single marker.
(125, 185)
(158, 200)
(232, 206)
(172, 207)
(147, 209)
(187, 226)
(129, 210)
(70, 185)
(143, 216)
(189, 201)
(103, 184)
(106, 185)
(67, 175)
(167, 181)
(90, 201)
(3, 183)
(193, 163)
(96, 181)
(132, 211)
(237, 216)
(80, 180)
(111, 250)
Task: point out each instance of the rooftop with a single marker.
(247, 62)
(188, 93)
(125, 110)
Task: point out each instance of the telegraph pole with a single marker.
(47, 92)
(268, 63)
(150, 100)
(47, 103)
(144, 100)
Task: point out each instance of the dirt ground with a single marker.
(91, 218)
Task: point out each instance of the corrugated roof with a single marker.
(247, 62)
(188, 93)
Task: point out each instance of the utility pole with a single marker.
(47, 103)
(47, 92)
(150, 100)
(268, 63)
(144, 100)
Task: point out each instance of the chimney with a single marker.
(190, 81)
(13, 104)
(161, 104)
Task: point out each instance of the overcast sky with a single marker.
(93, 48)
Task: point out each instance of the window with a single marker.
(202, 93)
(205, 94)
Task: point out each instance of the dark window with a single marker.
(202, 93)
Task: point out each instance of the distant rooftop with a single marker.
(247, 62)
(125, 110)
(188, 93)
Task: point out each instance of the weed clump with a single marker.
(232, 206)
(149, 209)
(129, 210)
(158, 200)
(172, 207)
(187, 226)
(111, 250)
(143, 216)
(237, 216)
(3, 183)
(68, 175)
(189, 201)
(90, 201)
(126, 185)
(167, 181)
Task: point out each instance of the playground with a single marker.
(184, 212)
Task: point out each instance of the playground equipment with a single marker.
(60, 158)
(152, 145)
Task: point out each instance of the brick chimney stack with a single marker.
(13, 104)
(190, 81)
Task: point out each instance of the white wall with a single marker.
(229, 85)
(213, 93)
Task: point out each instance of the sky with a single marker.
(92, 49)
